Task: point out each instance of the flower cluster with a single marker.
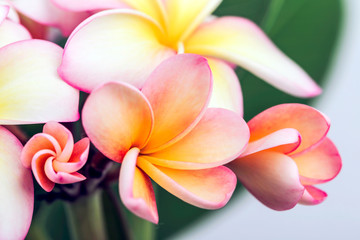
(164, 102)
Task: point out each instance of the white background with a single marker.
(339, 216)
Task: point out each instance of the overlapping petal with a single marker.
(46, 13)
(309, 122)
(117, 117)
(30, 89)
(12, 32)
(272, 177)
(206, 188)
(16, 189)
(136, 190)
(125, 42)
(89, 5)
(178, 98)
(240, 41)
(319, 164)
(183, 16)
(312, 196)
(4, 10)
(226, 87)
(226, 137)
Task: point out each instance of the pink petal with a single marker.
(226, 90)
(312, 196)
(61, 177)
(38, 168)
(218, 138)
(310, 123)
(11, 32)
(64, 138)
(88, 5)
(284, 140)
(77, 160)
(136, 190)
(239, 40)
(4, 10)
(16, 191)
(271, 177)
(46, 13)
(124, 41)
(320, 164)
(117, 117)
(206, 188)
(178, 91)
(38, 142)
(31, 90)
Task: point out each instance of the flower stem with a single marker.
(86, 220)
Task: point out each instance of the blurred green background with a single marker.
(306, 30)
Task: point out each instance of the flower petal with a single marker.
(183, 16)
(239, 40)
(61, 177)
(120, 40)
(320, 164)
(77, 160)
(38, 168)
(88, 5)
(30, 89)
(12, 32)
(218, 138)
(178, 91)
(117, 117)
(206, 188)
(284, 140)
(63, 136)
(312, 196)
(16, 189)
(4, 10)
(271, 177)
(45, 12)
(226, 89)
(136, 190)
(309, 122)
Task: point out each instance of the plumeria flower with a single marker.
(131, 43)
(16, 189)
(287, 155)
(53, 156)
(166, 132)
(42, 16)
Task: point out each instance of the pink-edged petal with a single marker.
(38, 168)
(226, 87)
(312, 196)
(61, 177)
(4, 10)
(205, 188)
(16, 189)
(135, 188)
(11, 13)
(218, 138)
(178, 91)
(125, 42)
(309, 122)
(271, 177)
(47, 13)
(77, 160)
(117, 117)
(239, 40)
(320, 164)
(284, 140)
(183, 16)
(30, 89)
(89, 5)
(38, 142)
(12, 32)
(63, 136)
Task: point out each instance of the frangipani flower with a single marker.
(53, 157)
(131, 43)
(39, 15)
(16, 189)
(287, 154)
(166, 131)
